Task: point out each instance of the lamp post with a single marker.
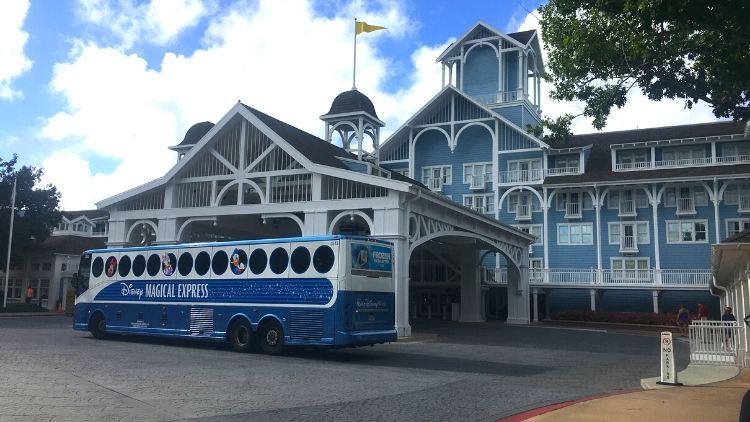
(10, 240)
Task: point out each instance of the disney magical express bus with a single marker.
(333, 291)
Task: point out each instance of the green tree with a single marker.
(40, 204)
(696, 50)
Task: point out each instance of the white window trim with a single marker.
(734, 220)
(569, 225)
(619, 258)
(635, 230)
(533, 201)
(682, 242)
(448, 180)
(489, 198)
(540, 239)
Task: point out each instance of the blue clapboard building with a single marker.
(624, 221)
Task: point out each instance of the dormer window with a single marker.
(633, 159)
(683, 156)
(569, 162)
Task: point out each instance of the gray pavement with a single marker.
(449, 371)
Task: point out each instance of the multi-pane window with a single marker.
(14, 288)
(735, 149)
(687, 231)
(524, 171)
(630, 268)
(580, 198)
(436, 176)
(40, 287)
(477, 174)
(575, 234)
(480, 203)
(638, 195)
(628, 157)
(683, 155)
(638, 229)
(536, 268)
(523, 198)
(737, 225)
(566, 162)
(534, 230)
(35, 266)
(47, 266)
(686, 195)
(734, 191)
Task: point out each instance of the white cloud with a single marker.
(13, 62)
(157, 21)
(281, 57)
(638, 112)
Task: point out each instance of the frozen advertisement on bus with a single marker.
(371, 260)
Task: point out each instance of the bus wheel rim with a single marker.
(272, 337)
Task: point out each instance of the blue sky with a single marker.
(94, 91)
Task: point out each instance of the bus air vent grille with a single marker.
(201, 321)
(306, 325)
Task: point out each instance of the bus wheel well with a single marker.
(268, 319)
(98, 324)
(234, 320)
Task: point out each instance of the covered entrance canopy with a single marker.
(251, 176)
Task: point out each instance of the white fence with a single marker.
(714, 342)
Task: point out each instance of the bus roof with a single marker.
(238, 243)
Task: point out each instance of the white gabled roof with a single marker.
(456, 44)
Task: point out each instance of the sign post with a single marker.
(668, 371)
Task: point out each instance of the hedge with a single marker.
(645, 318)
(23, 307)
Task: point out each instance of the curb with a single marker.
(523, 416)
(30, 314)
(611, 325)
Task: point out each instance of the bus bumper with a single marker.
(365, 338)
(81, 317)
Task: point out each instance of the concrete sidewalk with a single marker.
(30, 314)
(701, 399)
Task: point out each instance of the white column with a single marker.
(653, 157)
(471, 290)
(655, 212)
(716, 210)
(536, 305)
(443, 69)
(450, 74)
(545, 235)
(519, 91)
(518, 291)
(401, 280)
(316, 223)
(655, 300)
(713, 152)
(461, 71)
(500, 87)
(411, 157)
(592, 294)
(598, 210)
(166, 231)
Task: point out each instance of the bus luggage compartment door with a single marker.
(373, 311)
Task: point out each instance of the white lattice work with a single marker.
(291, 188)
(153, 200)
(193, 194)
(512, 138)
(336, 188)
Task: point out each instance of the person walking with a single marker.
(29, 294)
(702, 312)
(683, 319)
(728, 319)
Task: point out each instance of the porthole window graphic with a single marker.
(258, 261)
(300, 260)
(139, 265)
(124, 266)
(111, 266)
(202, 263)
(185, 263)
(154, 265)
(323, 259)
(279, 260)
(97, 267)
(220, 262)
(168, 264)
(238, 262)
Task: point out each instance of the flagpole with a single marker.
(354, 71)
(10, 240)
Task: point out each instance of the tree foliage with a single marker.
(40, 204)
(696, 50)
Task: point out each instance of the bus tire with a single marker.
(241, 336)
(272, 338)
(98, 326)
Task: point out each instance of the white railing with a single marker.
(573, 210)
(743, 203)
(562, 171)
(627, 208)
(434, 183)
(640, 165)
(714, 342)
(628, 243)
(521, 176)
(575, 277)
(523, 212)
(480, 208)
(499, 97)
(733, 159)
(687, 162)
(685, 206)
(478, 181)
(699, 278)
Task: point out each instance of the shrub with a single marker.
(644, 318)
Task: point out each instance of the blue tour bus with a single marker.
(333, 291)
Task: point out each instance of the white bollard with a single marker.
(668, 369)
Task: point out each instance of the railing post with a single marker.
(599, 276)
(657, 276)
(545, 275)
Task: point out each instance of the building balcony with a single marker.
(640, 165)
(685, 206)
(678, 279)
(521, 176)
(573, 210)
(733, 159)
(500, 97)
(523, 212)
(628, 244)
(743, 203)
(626, 208)
(690, 162)
(563, 171)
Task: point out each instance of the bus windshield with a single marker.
(84, 273)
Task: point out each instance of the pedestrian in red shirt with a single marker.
(702, 312)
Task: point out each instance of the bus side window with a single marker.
(202, 263)
(154, 265)
(323, 259)
(258, 261)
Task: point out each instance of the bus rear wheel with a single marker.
(241, 336)
(272, 338)
(98, 326)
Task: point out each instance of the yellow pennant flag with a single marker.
(360, 27)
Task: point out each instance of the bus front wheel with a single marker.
(98, 326)
(272, 338)
(241, 336)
